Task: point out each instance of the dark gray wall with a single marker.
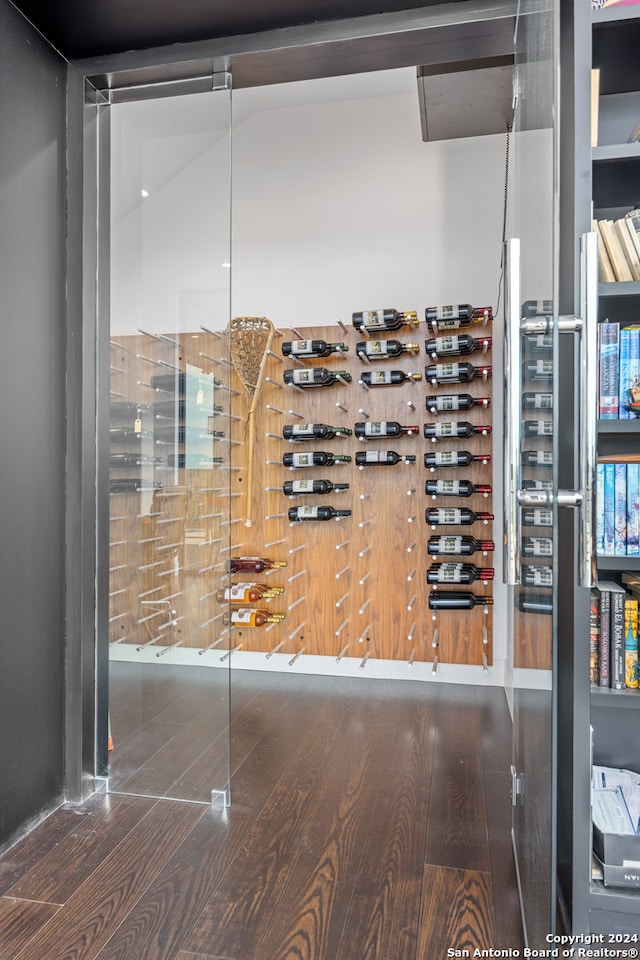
(32, 421)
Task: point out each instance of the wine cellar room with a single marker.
(291, 208)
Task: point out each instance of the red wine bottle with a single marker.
(440, 403)
(540, 517)
(537, 401)
(457, 600)
(384, 349)
(315, 377)
(383, 428)
(455, 345)
(316, 459)
(386, 319)
(247, 593)
(252, 564)
(453, 428)
(454, 458)
(537, 576)
(387, 378)
(294, 488)
(537, 428)
(316, 513)
(537, 546)
(458, 573)
(455, 372)
(313, 431)
(540, 371)
(537, 458)
(312, 348)
(372, 458)
(249, 617)
(445, 516)
(455, 488)
(458, 546)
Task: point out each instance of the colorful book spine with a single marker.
(634, 365)
(631, 643)
(605, 624)
(600, 508)
(616, 638)
(624, 374)
(609, 509)
(633, 510)
(594, 638)
(620, 517)
(609, 359)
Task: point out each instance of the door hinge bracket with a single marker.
(517, 786)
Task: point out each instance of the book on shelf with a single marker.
(632, 257)
(594, 637)
(605, 270)
(634, 136)
(595, 104)
(631, 643)
(632, 219)
(608, 367)
(613, 634)
(618, 514)
(617, 256)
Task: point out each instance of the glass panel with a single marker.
(535, 222)
(170, 450)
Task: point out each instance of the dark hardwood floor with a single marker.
(370, 820)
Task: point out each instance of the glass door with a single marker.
(167, 456)
(531, 411)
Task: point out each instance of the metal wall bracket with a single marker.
(517, 785)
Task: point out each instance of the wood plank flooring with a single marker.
(370, 820)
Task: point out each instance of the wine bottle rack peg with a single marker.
(214, 490)
(141, 356)
(434, 667)
(364, 606)
(341, 600)
(296, 333)
(363, 662)
(364, 551)
(119, 616)
(294, 576)
(412, 630)
(345, 623)
(364, 579)
(411, 491)
(273, 463)
(292, 386)
(295, 603)
(485, 636)
(171, 646)
(232, 546)
(295, 656)
(166, 363)
(228, 496)
(114, 393)
(113, 369)
(274, 382)
(273, 543)
(296, 631)
(411, 603)
(485, 663)
(300, 546)
(270, 626)
(268, 406)
(208, 569)
(435, 640)
(342, 326)
(141, 569)
(411, 547)
(147, 592)
(207, 596)
(207, 356)
(342, 653)
(294, 413)
(411, 405)
(411, 519)
(411, 575)
(342, 407)
(210, 646)
(230, 653)
(141, 383)
(363, 384)
(228, 523)
(342, 572)
(214, 333)
(273, 489)
(232, 416)
(364, 635)
(116, 593)
(412, 657)
(233, 390)
(343, 543)
(365, 358)
(272, 354)
(363, 413)
(275, 649)
(152, 336)
(364, 496)
(272, 516)
(364, 523)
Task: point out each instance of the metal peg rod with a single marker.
(363, 662)
(232, 546)
(363, 496)
(273, 463)
(411, 574)
(342, 599)
(211, 620)
(364, 579)
(363, 635)
(227, 496)
(208, 356)
(119, 616)
(485, 636)
(343, 543)
(435, 664)
(292, 386)
(141, 356)
(273, 489)
(342, 572)
(214, 333)
(271, 626)
(412, 657)
(274, 516)
(364, 551)
(485, 663)
(365, 605)
(274, 543)
(295, 359)
(207, 596)
(364, 523)
(230, 652)
(411, 491)
(278, 358)
(301, 546)
(296, 631)
(268, 406)
(342, 653)
(147, 592)
(342, 626)
(412, 630)
(231, 416)
(295, 576)
(227, 523)
(363, 384)
(342, 407)
(274, 436)
(275, 649)
(166, 649)
(211, 646)
(295, 656)
(411, 519)
(411, 405)
(435, 642)
(296, 602)
(297, 333)
(363, 413)
(411, 603)
(363, 356)
(294, 413)
(145, 333)
(342, 326)
(274, 382)
(411, 547)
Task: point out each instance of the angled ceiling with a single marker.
(91, 28)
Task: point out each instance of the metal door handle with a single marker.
(588, 405)
(512, 415)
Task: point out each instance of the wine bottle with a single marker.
(316, 459)
(457, 315)
(458, 573)
(248, 617)
(536, 308)
(312, 348)
(315, 377)
(455, 345)
(453, 428)
(458, 546)
(383, 349)
(536, 576)
(126, 409)
(445, 516)
(440, 403)
(537, 458)
(386, 319)
(455, 488)
(454, 458)
(457, 600)
(538, 342)
(133, 460)
(118, 434)
(316, 513)
(247, 593)
(372, 458)
(313, 431)
(535, 603)
(292, 488)
(537, 370)
(537, 401)
(252, 564)
(546, 485)
(132, 485)
(537, 546)
(383, 428)
(540, 517)
(386, 378)
(537, 428)
(455, 372)
(194, 461)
